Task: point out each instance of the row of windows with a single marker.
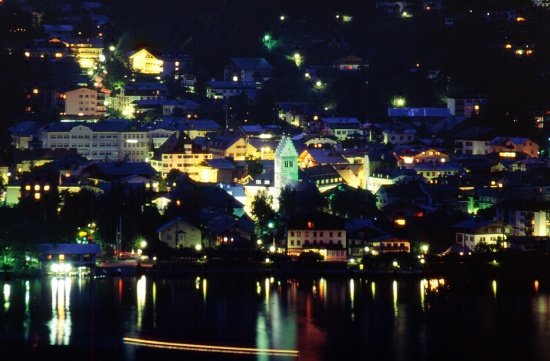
(134, 145)
(320, 243)
(401, 137)
(86, 109)
(86, 96)
(328, 181)
(135, 136)
(314, 234)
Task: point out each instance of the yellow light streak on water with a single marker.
(209, 348)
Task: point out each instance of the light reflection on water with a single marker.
(60, 324)
(385, 318)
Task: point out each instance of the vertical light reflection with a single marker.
(267, 295)
(197, 283)
(395, 308)
(423, 287)
(204, 290)
(27, 322)
(495, 288)
(352, 297)
(141, 293)
(323, 289)
(60, 324)
(261, 336)
(373, 289)
(258, 288)
(537, 286)
(154, 291)
(7, 291)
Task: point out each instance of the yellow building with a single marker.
(146, 62)
(87, 51)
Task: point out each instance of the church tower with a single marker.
(286, 163)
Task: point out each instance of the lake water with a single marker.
(248, 316)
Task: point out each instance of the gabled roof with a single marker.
(475, 133)
(471, 224)
(219, 163)
(321, 172)
(26, 128)
(68, 248)
(251, 63)
(224, 142)
(322, 156)
(319, 220)
(118, 170)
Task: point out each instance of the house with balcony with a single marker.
(510, 146)
(342, 128)
(88, 52)
(216, 171)
(471, 232)
(317, 232)
(178, 234)
(128, 94)
(361, 233)
(181, 153)
(527, 217)
(146, 61)
(228, 146)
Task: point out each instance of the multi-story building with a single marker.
(237, 148)
(508, 147)
(473, 141)
(135, 92)
(84, 103)
(472, 232)
(87, 51)
(106, 140)
(179, 152)
(317, 232)
(146, 62)
(527, 217)
(466, 104)
(342, 128)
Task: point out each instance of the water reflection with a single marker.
(60, 325)
(323, 318)
(141, 298)
(6, 293)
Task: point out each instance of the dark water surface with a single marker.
(334, 318)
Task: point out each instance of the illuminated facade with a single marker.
(508, 147)
(318, 232)
(179, 152)
(146, 62)
(237, 148)
(97, 141)
(84, 102)
(472, 232)
(86, 51)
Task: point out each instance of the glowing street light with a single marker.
(298, 59)
(399, 102)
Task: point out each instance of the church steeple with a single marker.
(286, 163)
